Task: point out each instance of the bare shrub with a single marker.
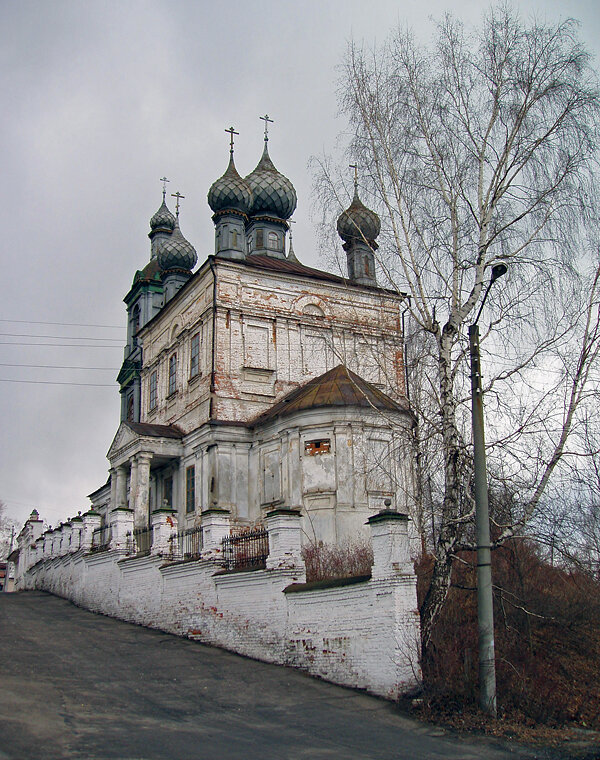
(547, 640)
(329, 561)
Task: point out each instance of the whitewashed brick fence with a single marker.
(356, 632)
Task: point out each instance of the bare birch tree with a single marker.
(478, 149)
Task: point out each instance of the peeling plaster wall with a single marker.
(273, 332)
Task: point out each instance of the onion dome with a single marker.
(230, 192)
(163, 219)
(176, 252)
(358, 222)
(272, 193)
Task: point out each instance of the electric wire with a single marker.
(58, 345)
(62, 324)
(56, 382)
(59, 337)
(58, 366)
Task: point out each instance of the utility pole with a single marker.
(485, 600)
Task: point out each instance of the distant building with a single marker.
(256, 381)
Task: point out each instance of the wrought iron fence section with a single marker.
(248, 550)
(186, 543)
(143, 540)
(101, 538)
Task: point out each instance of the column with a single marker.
(140, 488)
(113, 487)
(164, 532)
(391, 550)
(285, 539)
(121, 487)
(91, 521)
(215, 527)
(121, 528)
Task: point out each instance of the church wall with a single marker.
(364, 634)
(274, 331)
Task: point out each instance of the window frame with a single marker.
(190, 489)
(172, 384)
(153, 390)
(195, 355)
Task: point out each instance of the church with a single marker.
(254, 382)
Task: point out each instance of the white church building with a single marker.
(256, 382)
(264, 408)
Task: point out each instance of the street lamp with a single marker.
(485, 602)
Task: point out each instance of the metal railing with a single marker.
(187, 543)
(247, 550)
(101, 538)
(142, 540)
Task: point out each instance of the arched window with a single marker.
(273, 241)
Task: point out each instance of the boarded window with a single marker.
(173, 374)
(257, 347)
(260, 243)
(152, 396)
(314, 354)
(271, 477)
(190, 489)
(195, 355)
(319, 446)
(130, 408)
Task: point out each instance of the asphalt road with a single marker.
(78, 685)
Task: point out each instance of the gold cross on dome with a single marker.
(266, 120)
(164, 180)
(232, 132)
(179, 196)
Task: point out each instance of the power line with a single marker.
(57, 345)
(63, 324)
(51, 382)
(59, 337)
(58, 366)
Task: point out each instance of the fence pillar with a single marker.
(285, 539)
(67, 532)
(215, 527)
(164, 526)
(121, 528)
(391, 552)
(91, 521)
(77, 527)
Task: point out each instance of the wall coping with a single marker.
(387, 514)
(285, 512)
(216, 511)
(331, 583)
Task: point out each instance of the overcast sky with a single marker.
(100, 100)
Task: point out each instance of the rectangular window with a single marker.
(152, 398)
(168, 491)
(259, 239)
(195, 355)
(190, 489)
(173, 374)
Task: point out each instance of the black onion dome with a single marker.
(163, 218)
(177, 252)
(272, 193)
(358, 222)
(230, 192)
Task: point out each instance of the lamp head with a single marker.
(497, 271)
